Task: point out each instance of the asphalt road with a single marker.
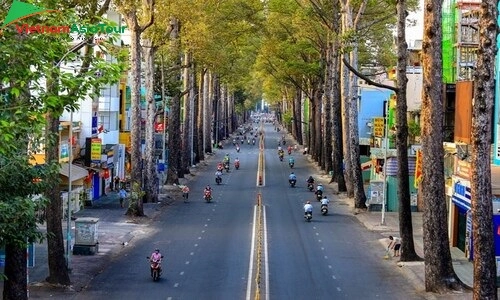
(209, 248)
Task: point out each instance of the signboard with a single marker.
(418, 167)
(64, 154)
(95, 150)
(378, 127)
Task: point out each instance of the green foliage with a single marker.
(413, 128)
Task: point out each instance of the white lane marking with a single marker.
(192, 253)
(333, 277)
(208, 220)
(252, 249)
(176, 284)
(329, 266)
(338, 289)
(323, 248)
(199, 237)
(203, 231)
(319, 241)
(317, 233)
(266, 256)
(206, 225)
(181, 273)
(326, 257)
(196, 245)
(187, 262)
(169, 298)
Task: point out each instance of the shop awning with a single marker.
(77, 172)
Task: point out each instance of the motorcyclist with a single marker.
(226, 158)
(310, 180)
(289, 149)
(319, 187)
(236, 161)
(291, 177)
(291, 160)
(155, 258)
(324, 201)
(308, 208)
(279, 149)
(220, 166)
(218, 174)
(208, 188)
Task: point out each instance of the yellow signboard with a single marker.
(95, 150)
(378, 127)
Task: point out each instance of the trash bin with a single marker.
(86, 236)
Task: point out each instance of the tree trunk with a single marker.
(201, 119)
(439, 273)
(481, 194)
(297, 116)
(15, 286)
(150, 175)
(405, 223)
(135, 207)
(327, 104)
(58, 271)
(207, 104)
(338, 148)
(187, 133)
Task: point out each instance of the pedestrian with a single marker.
(117, 183)
(123, 195)
(185, 193)
(395, 245)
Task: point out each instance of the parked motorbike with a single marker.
(208, 196)
(308, 216)
(324, 209)
(218, 180)
(155, 268)
(292, 182)
(310, 186)
(237, 165)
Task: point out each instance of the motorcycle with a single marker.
(238, 149)
(237, 165)
(218, 180)
(289, 151)
(155, 268)
(291, 165)
(292, 182)
(208, 196)
(324, 209)
(310, 186)
(319, 195)
(281, 157)
(308, 216)
(226, 166)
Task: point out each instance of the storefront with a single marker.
(461, 217)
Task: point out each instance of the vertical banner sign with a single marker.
(95, 150)
(418, 168)
(378, 127)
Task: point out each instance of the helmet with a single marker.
(227, 154)
(319, 184)
(308, 202)
(324, 197)
(157, 250)
(291, 173)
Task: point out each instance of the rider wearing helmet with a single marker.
(319, 187)
(308, 208)
(226, 158)
(155, 257)
(310, 180)
(292, 176)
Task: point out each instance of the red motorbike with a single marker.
(156, 270)
(208, 196)
(237, 165)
